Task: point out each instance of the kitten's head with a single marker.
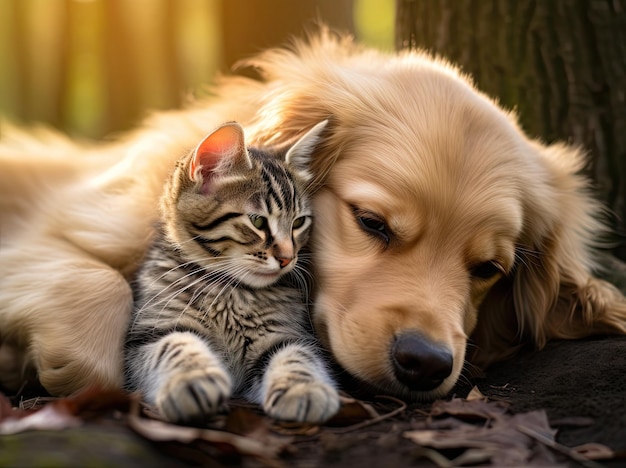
(241, 212)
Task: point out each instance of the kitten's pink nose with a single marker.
(284, 261)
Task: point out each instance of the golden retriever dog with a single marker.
(443, 234)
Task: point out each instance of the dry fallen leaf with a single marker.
(49, 418)
(61, 413)
(375, 419)
(352, 411)
(475, 394)
(488, 434)
(469, 409)
(93, 401)
(261, 446)
(594, 451)
(242, 421)
(497, 440)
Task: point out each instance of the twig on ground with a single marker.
(562, 449)
(376, 420)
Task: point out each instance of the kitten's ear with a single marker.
(299, 155)
(222, 149)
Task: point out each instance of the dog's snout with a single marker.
(419, 363)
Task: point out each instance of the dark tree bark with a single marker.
(561, 64)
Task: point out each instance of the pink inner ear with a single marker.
(225, 142)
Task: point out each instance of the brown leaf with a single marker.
(550, 442)
(469, 410)
(61, 413)
(475, 394)
(245, 422)
(352, 411)
(594, 451)
(377, 419)
(94, 401)
(159, 431)
(295, 429)
(501, 441)
(50, 417)
(242, 421)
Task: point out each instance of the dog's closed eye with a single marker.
(486, 270)
(372, 224)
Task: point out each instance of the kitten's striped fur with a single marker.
(220, 302)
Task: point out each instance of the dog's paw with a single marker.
(311, 402)
(194, 396)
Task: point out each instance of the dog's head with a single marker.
(437, 220)
(418, 218)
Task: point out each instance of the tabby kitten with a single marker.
(218, 308)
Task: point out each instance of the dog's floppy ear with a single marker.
(551, 293)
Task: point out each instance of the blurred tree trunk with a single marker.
(561, 64)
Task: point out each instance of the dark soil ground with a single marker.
(579, 385)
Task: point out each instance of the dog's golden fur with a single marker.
(455, 183)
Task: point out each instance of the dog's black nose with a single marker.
(419, 363)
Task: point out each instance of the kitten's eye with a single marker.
(372, 224)
(258, 222)
(486, 270)
(299, 222)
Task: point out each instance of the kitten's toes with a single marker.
(192, 397)
(312, 402)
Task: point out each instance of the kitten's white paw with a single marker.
(312, 402)
(194, 395)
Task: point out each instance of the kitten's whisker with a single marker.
(166, 300)
(170, 285)
(207, 278)
(303, 285)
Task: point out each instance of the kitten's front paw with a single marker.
(312, 402)
(194, 396)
